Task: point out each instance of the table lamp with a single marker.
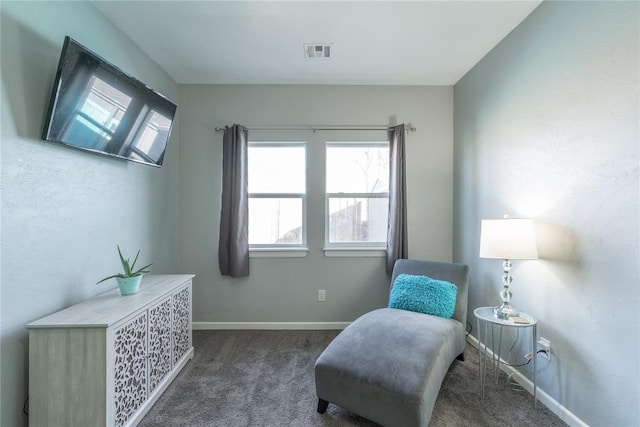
(507, 239)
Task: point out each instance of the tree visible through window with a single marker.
(357, 194)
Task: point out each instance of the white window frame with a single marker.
(354, 249)
(283, 250)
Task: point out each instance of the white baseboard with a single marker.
(271, 325)
(554, 406)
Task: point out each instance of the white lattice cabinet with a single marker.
(105, 361)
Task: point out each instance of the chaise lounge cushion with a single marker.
(388, 365)
(357, 372)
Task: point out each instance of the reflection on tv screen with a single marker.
(97, 107)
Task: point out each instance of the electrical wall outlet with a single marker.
(545, 347)
(322, 295)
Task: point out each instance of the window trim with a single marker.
(283, 250)
(271, 252)
(359, 252)
(351, 249)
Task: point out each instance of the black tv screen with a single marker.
(99, 108)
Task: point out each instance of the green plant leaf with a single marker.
(127, 267)
(107, 278)
(142, 270)
(124, 262)
(135, 260)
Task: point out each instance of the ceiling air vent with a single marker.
(322, 50)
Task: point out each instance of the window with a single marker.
(111, 118)
(147, 144)
(95, 121)
(277, 195)
(357, 194)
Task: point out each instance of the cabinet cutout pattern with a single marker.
(159, 343)
(182, 323)
(130, 368)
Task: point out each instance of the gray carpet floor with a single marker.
(266, 378)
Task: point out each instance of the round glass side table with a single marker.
(486, 318)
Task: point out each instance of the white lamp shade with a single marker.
(508, 239)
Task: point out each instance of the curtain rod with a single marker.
(408, 128)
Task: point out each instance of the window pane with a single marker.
(275, 221)
(84, 133)
(353, 220)
(277, 169)
(105, 104)
(151, 140)
(98, 117)
(357, 169)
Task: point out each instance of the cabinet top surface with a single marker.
(110, 307)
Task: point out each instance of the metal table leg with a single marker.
(497, 356)
(534, 334)
(481, 355)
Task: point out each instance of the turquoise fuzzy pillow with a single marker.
(423, 295)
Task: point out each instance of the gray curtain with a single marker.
(397, 228)
(233, 248)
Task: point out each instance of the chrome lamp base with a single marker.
(504, 312)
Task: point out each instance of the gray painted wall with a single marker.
(285, 290)
(63, 211)
(546, 126)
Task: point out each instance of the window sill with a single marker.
(278, 252)
(354, 252)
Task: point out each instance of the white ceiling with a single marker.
(261, 42)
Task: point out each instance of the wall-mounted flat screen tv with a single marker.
(97, 107)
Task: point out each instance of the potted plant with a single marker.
(129, 280)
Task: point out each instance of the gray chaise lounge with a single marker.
(388, 365)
